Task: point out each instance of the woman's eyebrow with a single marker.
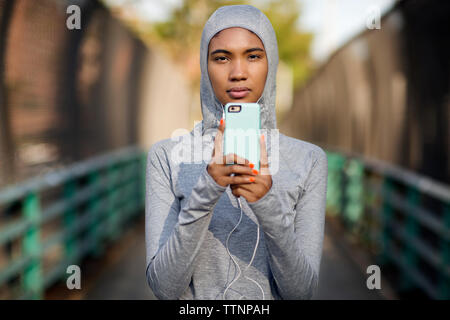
(254, 49)
(220, 51)
(228, 52)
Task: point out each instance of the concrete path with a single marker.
(340, 278)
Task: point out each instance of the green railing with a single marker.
(56, 220)
(401, 217)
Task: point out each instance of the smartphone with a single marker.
(242, 131)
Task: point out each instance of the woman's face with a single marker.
(237, 65)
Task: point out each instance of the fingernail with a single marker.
(255, 171)
(252, 179)
(221, 121)
(251, 165)
(262, 137)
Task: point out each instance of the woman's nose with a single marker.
(238, 71)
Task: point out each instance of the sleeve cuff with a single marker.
(212, 182)
(271, 212)
(203, 198)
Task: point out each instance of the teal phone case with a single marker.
(242, 132)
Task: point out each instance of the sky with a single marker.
(333, 22)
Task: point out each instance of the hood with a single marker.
(251, 18)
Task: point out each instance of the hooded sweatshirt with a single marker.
(189, 217)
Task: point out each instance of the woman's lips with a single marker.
(237, 93)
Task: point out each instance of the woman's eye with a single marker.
(254, 56)
(222, 58)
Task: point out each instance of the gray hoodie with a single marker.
(189, 217)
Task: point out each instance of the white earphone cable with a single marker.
(251, 260)
(231, 256)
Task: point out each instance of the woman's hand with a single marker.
(263, 181)
(222, 173)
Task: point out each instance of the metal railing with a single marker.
(401, 217)
(77, 210)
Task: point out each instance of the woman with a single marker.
(228, 232)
